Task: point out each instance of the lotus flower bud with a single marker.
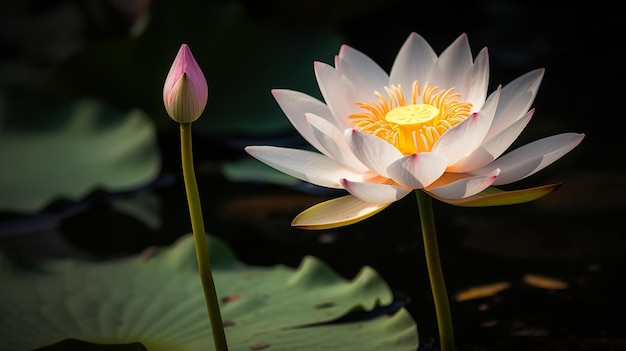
(185, 92)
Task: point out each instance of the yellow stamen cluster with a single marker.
(413, 127)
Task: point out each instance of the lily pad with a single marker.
(76, 148)
(156, 299)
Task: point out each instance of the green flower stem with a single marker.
(199, 235)
(435, 273)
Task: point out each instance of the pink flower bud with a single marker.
(185, 92)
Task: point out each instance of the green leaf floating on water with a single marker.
(75, 148)
(156, 299)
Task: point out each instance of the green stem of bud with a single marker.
(199, 235)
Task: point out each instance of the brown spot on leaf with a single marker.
(148, 252)
(230, 298)
(260, 346)
(324, 305)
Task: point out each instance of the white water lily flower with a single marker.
(429, 125)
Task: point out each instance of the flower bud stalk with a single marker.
(185, 94)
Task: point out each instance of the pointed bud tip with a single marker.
(185, 92)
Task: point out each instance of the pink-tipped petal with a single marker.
(372, 151)
(413, 62)
(336, 213)
(303, 164)
(464, 187)
(418, 170)
(533, 157)
(492, 148)
(333, 143)
(515, 100)
(339, 93)
(462, 139)
(375, 192)
(295, 105)
(478, 81)
(361, 67)
(453, 64)
(364, 87)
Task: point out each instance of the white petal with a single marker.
(375, 192)
(462, 139)
(478, 79)
(465, 187)
(413, 62)
(337, 212)
(334, 143)
(492, 148)
(306, 165)
(372, 151)
(339, 93)
(295, 104)
(364, 88)
(530, 158)
(453, 65)
(418, 170)
(361, 65)
(515, 100)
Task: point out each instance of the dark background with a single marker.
(72, 49)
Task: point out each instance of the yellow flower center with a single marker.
(412, 127)
(412, 115)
